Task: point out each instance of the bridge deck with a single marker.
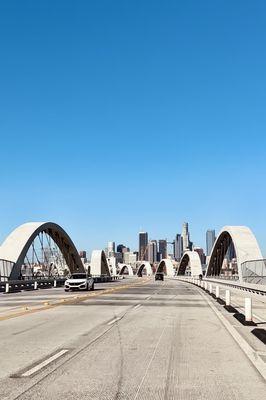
(149, 340)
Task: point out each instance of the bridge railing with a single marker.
(5, 269)
(254, 271)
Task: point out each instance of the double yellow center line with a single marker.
(72, 300)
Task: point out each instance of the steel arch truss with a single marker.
(191, 259)
(166, 266)
(241, 240)
(126, 270)
(144, 266)
(40, 244)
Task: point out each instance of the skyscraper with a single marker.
(178, 247)
(210, 239)
(143, 246)
(120, 248)
(163, 248)
(110, 249)
(152, 251)
(185, 237)
(201, 254)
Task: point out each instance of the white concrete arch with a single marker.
(144, 265)
(112, 265)
(190, 259)
(125, 267)
(15, 246)
(245, 245)
(166, 266)
(98, 264)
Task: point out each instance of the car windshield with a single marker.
(78, 276)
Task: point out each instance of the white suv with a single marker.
(79, 281)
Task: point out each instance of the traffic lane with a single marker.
(28, 338)
(14, 301)
(157, 352)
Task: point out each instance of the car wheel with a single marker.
(66, 290)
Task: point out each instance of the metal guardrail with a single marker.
(257, 289)
(5, 269)
(254, 271)
(226, 277)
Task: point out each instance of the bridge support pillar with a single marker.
(7, 288)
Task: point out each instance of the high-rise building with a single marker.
(201, 254)
(210, 239)
(152, 251)
(110, 249)
(130, 258)
(83, 254)
(120, 248)
(143, 246)
(178, 247)
(163, 248)
(185, 237)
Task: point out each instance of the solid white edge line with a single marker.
(243, 344)
(43, 364)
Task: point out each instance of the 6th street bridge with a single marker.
(130, 339)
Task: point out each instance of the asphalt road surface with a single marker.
(134, 339)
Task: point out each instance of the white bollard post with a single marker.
(227, 297)
(248, 309)
(202, 284)
(217, 291)
(35, 285)
(210, 288)
(55, 283)
(206, 285)
(7, 287)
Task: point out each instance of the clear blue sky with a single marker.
(121, 115)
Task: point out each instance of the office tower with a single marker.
(185, 237)
(201, 254)
(163, 248)
(152, 251)
(143, 246)
(120, 248)
(110, 249)
(178, 247)
(210, 239)
(130, 258)
(83, 254)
